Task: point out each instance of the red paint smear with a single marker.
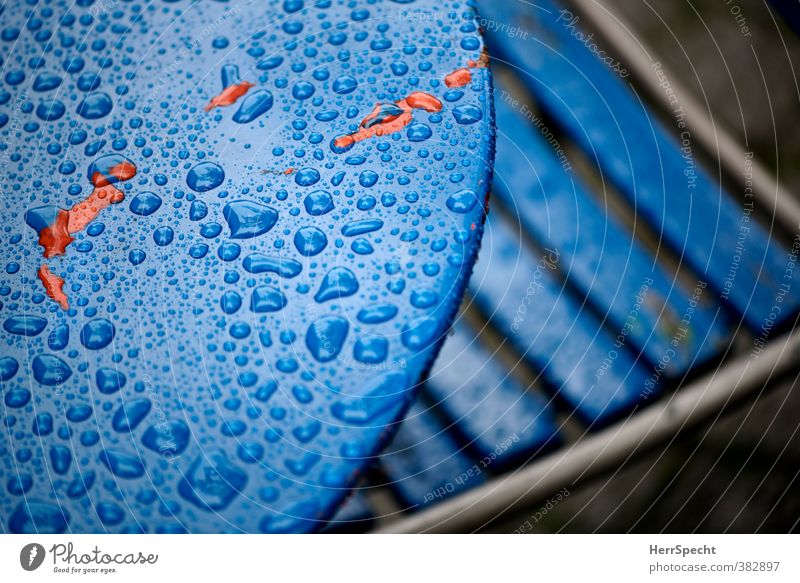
(229, 95)
(463, 76)
(458, 78)
(392, 124)
(55, 238)
(54, 286)
(122, 172)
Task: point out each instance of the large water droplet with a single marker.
(318, 203)
(122, 464)
(255, 104)
(145, 203)
(97, 334)
(325, 337)
(95, 105)
(377, 314)
(130, 414)
(109, 381)
(467, 114)
(339, 282)
(50, 370)
(462, 201)
(310, 241)
(248, 219)
(259, 263)
(212, 482)
(361, 227)
(38, 518)
(205, 176)
(24, 325)
(266, 298)
(167, 437)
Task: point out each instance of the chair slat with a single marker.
(425, 464)
(599, 255)
(500, 420)
(578, 357)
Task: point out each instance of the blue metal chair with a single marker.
(622, 292)
(236, 235)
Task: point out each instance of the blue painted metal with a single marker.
(713, 232)
(243, 330)
(602, 257)
(499, 420)
(581, 360)
(425, 464)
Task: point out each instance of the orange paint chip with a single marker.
(229, 95)
(461, 77)
(55, 238)
(122, 171)
(54, 286)
(382, 121)
(458, 78)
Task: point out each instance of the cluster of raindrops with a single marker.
(208, 328)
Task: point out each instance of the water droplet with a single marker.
(163, 236)
(259, 263)
(58, 338)
(95, 105)
(339, 282)
(50, 370)
(130, 414)
(325, 337)
(230, 302)
(462, 201)
(17, 398)
(361, 227)
(310, 241)
(24, 325)
(212, 482)
(423, 298)
(377, 314)
(467, 114)
(205, 176)
(198, 210)
(8, 368)
(109, 381)
(371, 350)
(306, 177)
(97, 334)
(145, 203)
(169, 436)
(122, 464)
(38, 518)
(60, 459)
(46, 81)
(249, 219)
(418, 132)
(50, 110)
(420, 333)
(266, 298)
(318, 203)
(255, 104)
(109, 513)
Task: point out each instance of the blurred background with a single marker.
(739, 474)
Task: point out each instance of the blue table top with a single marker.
(235, 234)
